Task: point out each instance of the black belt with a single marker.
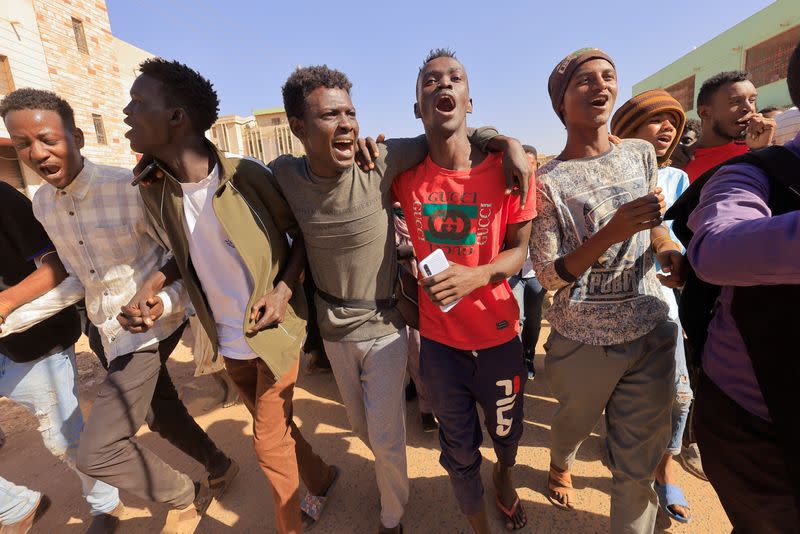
(379, 304)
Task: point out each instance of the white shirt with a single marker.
(219, 266)
(787, 126)
(109, 246)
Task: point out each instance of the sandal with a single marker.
(508, 513)
(672, 495)
(185, 520)
(558, 483)
(219, 484)
(312, 506)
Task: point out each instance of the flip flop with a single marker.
(672, 495)
(508, 513)
(312, 506)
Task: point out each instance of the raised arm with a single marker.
(736, 240)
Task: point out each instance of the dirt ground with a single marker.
(353, 508)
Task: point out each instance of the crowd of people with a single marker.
(428, 257)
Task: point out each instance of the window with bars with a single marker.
(6, 81)
(767, 62)
(683, 92)
(80, 36)
(99, 129)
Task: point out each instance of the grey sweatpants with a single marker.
(635, 384)
(371, 379)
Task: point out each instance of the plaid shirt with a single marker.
(106, 240)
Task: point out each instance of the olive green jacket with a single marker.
(256, 219)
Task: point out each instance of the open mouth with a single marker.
(664, 139)
(50, 171)
(599, 101)
(445, 103)
(343, 147)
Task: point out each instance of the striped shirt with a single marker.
(104, 237)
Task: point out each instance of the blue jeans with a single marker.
(47, 388)
(530, 297)
(683, 396)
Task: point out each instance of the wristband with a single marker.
(677, 247)
(562, 271)
(658, 240)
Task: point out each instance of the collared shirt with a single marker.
(737, 242)
(106, 240)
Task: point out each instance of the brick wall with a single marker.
(89, 82)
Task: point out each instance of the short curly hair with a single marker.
(186, 88)
(713, 84)
(29, 98)
(304, 80)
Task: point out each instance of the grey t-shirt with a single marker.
(619, 298)
(346, 224)
(349, 233)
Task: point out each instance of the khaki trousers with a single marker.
(635, 384)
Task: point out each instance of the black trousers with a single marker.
(744, 462)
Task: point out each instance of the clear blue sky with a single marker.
(249, 47)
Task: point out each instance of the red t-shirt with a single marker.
(708, 158)
(464, 213)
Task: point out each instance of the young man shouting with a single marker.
(227, 226)
(595, 243)
(109, 246)
(345, 215)
(471, 355)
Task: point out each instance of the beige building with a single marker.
(264, 135)
(67, 47)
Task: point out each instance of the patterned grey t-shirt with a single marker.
(619, 298)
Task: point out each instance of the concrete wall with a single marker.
(728, 51)
(20, 42)
(90, 82)
(129, 58)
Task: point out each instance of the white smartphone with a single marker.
(433, 264)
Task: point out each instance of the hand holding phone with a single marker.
(148, 175)
(433, 264)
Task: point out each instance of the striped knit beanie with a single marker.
(562, 74)
(640, 108)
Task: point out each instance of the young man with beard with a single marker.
(470, 355)
(595, 243)
(37, 367)
(109, 247)
(227, 226)
(726, 104)
(345, 215)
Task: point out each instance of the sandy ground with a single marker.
(247, 506)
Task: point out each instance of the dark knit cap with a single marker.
(562, 74)
(640, 108)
